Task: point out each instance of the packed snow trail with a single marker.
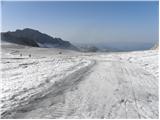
(111, 89)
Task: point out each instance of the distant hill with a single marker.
(88, 48)
(95, 48)
(34, 38)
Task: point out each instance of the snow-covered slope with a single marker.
(148, 60)
(119, 85)
(24, 78)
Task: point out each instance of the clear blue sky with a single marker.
(86, 22)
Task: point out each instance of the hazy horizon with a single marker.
(133, 24)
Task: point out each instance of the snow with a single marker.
(24, 77)
(148, 60)
(79, 85)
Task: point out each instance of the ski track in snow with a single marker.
(119, 85)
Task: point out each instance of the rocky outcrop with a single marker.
(34, 38)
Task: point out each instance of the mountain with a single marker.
(91, 47)
(88, 48)
(34, 38)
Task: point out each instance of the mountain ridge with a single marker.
(35, 38)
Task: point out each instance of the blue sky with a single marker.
(86, 22)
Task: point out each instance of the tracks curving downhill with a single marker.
(110, 89)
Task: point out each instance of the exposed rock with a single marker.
(34, 38)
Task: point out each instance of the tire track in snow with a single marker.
(109, 91)
(112, 89)
(142, 88)
(133, 93)
(49, 97)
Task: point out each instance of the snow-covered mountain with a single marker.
(34, 38)
(156, 46)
